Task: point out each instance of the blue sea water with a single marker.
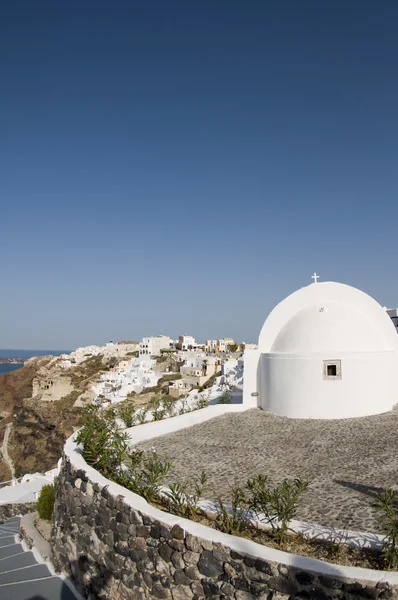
(8, 368)
(24, 354)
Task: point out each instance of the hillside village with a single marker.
(42, 402)
(127, 369)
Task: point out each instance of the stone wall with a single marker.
(113, 548)
(17, 508)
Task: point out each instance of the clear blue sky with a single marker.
(180, 167)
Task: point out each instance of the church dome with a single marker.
(328, 317)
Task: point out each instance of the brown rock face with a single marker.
(39, 428)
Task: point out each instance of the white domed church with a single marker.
(328, 351)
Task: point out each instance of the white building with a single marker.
(328, 351)
(151, 346)
(247, 346)
(211, 345)
(224, 343)
(186, 342)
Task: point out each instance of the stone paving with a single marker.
(348, 462)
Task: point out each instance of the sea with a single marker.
(24, 354)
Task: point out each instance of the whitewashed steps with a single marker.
(21, 576)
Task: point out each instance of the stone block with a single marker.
(142, 530)
(304, 578)
(210, 587)
(197, 588)
(136, 554)
(135, 518)
(181, 578)
(192, 573)
(330, 582)
(160, 592)
(227, 589)
(191, 558)
(176, 544)
(208, 565)
(192, 543)
(263, 567)
(165, 552)
(282, 585)
(241, 595)
(177, 560)
(181, 593)
(177, 532)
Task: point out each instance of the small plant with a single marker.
(225, 398)
(104, 445)
(46, 500)
(184, 407)
(387, 507)
(278, 504)
(183, 497)
(203, 402)
(234, 520)
(155, 406)
(145, 474)
(142, 415)
(127, 414)
(169, 406)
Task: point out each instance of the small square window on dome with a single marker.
(332, 369)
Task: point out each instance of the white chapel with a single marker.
(328, 351)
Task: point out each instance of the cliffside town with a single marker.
(43, 401)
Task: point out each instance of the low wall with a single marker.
(115, 545)
(16, 508)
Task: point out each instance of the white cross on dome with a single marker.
(315, 277)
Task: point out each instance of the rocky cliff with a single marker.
(43, 417)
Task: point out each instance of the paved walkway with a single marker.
(348, 462)
(21, 576)
(6, 456)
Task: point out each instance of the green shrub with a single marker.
(145, 475)
(183, 497)
(155, 406)
(46, 500)
(225, 398)
(127, 414)
(169, 405)
(387, 507)
(234, 520)
(202, 402)
(104, 445)
(278, 504)
(141, 415)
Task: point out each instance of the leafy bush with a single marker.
(104, 445)
(155, 406)
(234, 520)
(127, 414)
(387, 507)
(145, 474)
(169, 406)
(183, 497)
(142, 415)
(202, 402)
(46, 500)
(278, 504)
(225, 398)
